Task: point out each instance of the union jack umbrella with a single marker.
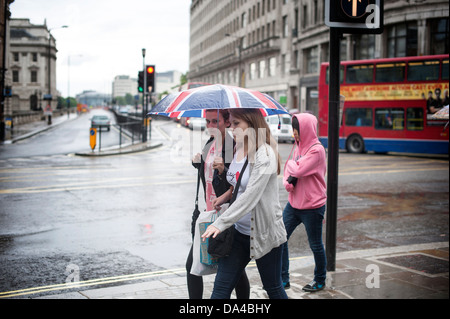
(194, 102)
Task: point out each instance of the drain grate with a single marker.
(420, 262)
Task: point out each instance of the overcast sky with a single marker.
(105, 38)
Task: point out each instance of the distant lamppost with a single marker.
(144, 99)
(49, 96)
(68, 82)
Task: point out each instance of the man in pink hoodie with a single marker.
(304, 179)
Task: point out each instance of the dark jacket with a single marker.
(220, 183)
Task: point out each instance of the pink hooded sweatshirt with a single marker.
(308, 164)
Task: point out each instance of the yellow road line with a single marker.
(92, 282)
(103, 281)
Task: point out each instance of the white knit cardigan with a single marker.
(267, 229)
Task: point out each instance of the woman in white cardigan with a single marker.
(256, 214)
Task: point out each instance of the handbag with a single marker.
(221, 245)
(202, 262)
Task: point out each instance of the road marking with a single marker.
(104, 281)
(92, 185)
(117, 182)
(92, 282)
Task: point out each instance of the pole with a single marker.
(144, 100)
(2, 75)
(333, 147)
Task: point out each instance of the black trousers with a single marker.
(195, 283)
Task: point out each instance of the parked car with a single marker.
(284, 133)
(101, 121)
(197, 122)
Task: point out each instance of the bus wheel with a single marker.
(355, 144)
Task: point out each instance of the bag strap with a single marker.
(198, 186)
(238, 184)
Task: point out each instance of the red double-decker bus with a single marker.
(389, 105)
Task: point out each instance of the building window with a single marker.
(285, 27)
(34, 76)
(304, 16)
(312, 60)
(262, 68)
(295, 62)
(16, 57)
(34, 56)
(364, 47)
(252, 71)
(243, 20)
(15, 76)
(272, 66)
(439, 36)
(316, 12)
(402, 40)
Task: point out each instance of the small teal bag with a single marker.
(205, 257)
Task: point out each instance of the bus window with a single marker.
(445, 70)
(389, 119)
(414, 118)
(390, 72)
(358, 117)
(359, 74)
(423, 71)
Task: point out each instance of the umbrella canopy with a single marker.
(194, 102)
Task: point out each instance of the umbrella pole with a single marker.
(217, 140)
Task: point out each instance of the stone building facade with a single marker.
(32, 66)
(277, 46)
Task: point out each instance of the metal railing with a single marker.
(131, 130)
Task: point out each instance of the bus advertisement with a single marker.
(389, 105)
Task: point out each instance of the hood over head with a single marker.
(308, 131)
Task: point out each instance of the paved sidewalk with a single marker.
(24, 131)
(404, 272)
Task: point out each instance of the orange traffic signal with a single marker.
(151, 70)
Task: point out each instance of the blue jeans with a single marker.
(312, 219)
(231, 267)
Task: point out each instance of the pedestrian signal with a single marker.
(355, 16)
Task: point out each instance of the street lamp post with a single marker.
(49, 97)
(68, 83)
(144, 99)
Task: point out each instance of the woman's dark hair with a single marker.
(295, 124)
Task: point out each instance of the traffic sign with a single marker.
(93, 137)
(355, 16)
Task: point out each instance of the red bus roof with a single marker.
(387, 60)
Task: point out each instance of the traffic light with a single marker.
(355, 16)
(150, 69)
(141, 82)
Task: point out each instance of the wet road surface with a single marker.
(62, 215)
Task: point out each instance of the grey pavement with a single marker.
(24, 131)
(418, 271)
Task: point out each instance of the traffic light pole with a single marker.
(144, 100)
(333, 147)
